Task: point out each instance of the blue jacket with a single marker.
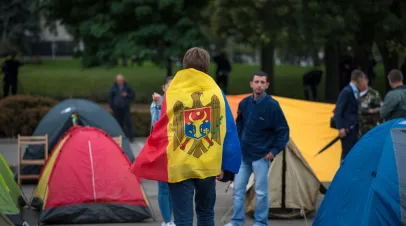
(116, 101)
(262, 127)
(346, 111)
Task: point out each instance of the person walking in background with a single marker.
(394, 105)
(346, 112)
(369, 105)
(10, 69)
(120, 97)
(222, 71)
(263, 132)
(164, 198)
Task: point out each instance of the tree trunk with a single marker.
(364, 39)
(390, 61)
(169, 67)
(315, 57)
(267, 65)
(331, 61)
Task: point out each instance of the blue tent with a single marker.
(370, 187)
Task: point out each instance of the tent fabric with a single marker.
(293, 186)
(58, 120)
(369, 188)
(309, 124)
(93, 173)
(11, 199)
(7, 176)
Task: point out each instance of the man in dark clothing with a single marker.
(120, 97)
(222, 71)
(346, 112)
(311, 80)
(394, 105)
(264, 133)
(10, 70)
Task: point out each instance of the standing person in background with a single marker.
(368, 108)
(120, 97)
(164, 198)
(346, 112)
(264, 133)
(394, 105)
(222, 71)
(10, 69)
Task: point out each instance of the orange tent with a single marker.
(309, 124)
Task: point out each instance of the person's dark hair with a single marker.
(197, 58)
(356, 75)
(167, 79)
(259, 73)
(395, 75)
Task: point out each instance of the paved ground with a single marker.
(8, 148)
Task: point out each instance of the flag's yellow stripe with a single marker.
(181, 165)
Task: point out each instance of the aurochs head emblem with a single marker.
(198, 123)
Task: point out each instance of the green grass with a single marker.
(65, 79)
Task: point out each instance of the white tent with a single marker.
(293, 186)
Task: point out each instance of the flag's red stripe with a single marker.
(152, 161)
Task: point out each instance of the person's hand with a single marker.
(124, 94)
(269, 156)
(342, 133)
(220, 177)
(157, 98)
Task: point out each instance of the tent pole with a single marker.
(283, 204)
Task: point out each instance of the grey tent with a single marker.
(59, 119)
(293, 186)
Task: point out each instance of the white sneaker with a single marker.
(229, 224)
(168, 224)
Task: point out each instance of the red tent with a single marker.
(87, 180)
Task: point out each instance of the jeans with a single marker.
(260, 169)
(164, 201)
(182, 201)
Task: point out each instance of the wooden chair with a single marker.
(119, 140)
(31, 140)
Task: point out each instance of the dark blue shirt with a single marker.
(262, 127)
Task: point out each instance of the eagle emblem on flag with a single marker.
(199, 124)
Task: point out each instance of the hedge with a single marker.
(21, 115)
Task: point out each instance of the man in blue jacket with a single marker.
(346, 112)
(120, 97)
(264, 133)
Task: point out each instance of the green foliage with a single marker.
(152, 29)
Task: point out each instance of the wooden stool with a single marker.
(31, 140)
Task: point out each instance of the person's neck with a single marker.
(398, 84)
(256, 96)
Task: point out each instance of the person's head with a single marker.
(168, 81)
(259, 82)
(120, 79)
(395, 78)
(197, 58)
(359, 79)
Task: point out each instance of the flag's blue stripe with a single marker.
(231, 146)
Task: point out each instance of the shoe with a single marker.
(229, 224)
(168, 224)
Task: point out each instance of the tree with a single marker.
(256, 22)
(19, 21)
(157, 30)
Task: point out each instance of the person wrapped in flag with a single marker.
(194, 142)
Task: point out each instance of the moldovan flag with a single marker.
(196, 136)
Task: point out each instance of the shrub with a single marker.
(21, 114)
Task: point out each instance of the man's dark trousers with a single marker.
(182, 201)
(123, 116)
(348, 142)
(7, 82)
